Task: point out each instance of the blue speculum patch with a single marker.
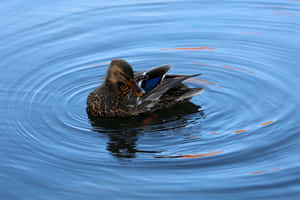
(148, 85)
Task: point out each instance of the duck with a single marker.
(128, 93)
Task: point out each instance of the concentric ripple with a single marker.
(236, 140)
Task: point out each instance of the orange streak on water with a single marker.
(264, 171)
(204, 81)
(149, 119)
(228, 67)
(194, 137)
(200, 155)
(236, 68)
(240, 131)
(188, 48)
(259, 172)
(266, 123)
(195, 80)
(214, 132)
(198, 81)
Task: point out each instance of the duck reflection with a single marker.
(123, 133)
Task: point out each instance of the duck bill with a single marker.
(136, 89)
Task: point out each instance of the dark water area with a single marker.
(239, 139)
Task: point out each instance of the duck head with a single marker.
(121, 76)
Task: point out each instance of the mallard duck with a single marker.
(127, 93)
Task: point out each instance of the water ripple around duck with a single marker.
(242, 128)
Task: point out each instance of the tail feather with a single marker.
(153, 97)
(191, 92)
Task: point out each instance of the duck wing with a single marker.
(154, 77)
(151, 78)
(169, 91)
(167, 84)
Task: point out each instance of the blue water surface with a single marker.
(239, 139)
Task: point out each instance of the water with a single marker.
(237, 140)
